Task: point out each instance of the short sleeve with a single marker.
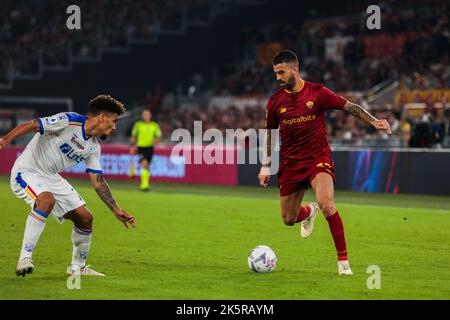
(55, 123)
(330, 100)
(272, 121)
(93, 162)
(157, 131)
(134, 131)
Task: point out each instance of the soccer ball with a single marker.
(262, 259)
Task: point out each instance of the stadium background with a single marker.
(210, 61)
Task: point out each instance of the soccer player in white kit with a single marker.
(61, 141)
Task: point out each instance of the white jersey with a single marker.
(60, 144)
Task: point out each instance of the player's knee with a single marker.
(328, 208)
(45, 202)
(86, 220)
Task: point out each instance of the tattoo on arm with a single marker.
(104, 192)
(359, 112)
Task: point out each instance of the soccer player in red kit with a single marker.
(298, 110)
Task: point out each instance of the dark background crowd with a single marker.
(409, 52)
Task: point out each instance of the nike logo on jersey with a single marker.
(71, 153)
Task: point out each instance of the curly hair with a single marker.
(105, 103)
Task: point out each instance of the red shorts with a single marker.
(294, 177)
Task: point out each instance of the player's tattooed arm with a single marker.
(104, 193)
(359, 112)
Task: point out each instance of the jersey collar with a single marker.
(83, 122)
(301, 88)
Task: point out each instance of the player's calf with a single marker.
(289, 206)
(296, 214)
(289, 220)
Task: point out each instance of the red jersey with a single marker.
(300, 116)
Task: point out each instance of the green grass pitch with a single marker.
(191, 242)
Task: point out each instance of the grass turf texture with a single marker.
(191, 242)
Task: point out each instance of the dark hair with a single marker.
(285, 56)
(105, 103)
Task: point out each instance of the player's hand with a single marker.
(382, 125)
(263, 180)
(126, 218)
(2, 143)
(264, 176)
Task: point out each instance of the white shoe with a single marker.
(344, 268)
(85, 271)
(24, 266)
(307, 225)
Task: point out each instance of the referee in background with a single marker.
(145, 135)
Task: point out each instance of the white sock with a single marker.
(81, 239)
(33, 229)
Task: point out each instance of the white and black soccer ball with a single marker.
(262, 259)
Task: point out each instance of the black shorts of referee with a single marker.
(145, 153)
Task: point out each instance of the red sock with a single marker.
(303, 213)
(337, 231)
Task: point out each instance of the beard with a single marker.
(290, 84)
(103, 137)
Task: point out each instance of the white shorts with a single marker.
(28, 185)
